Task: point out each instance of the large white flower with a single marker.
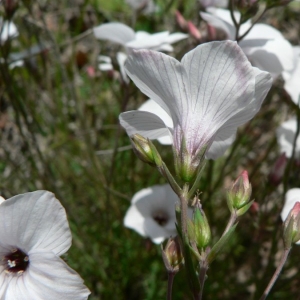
(285, 137)
(34, 232)
(124, 35)
(212, 91)
(152, 213)
(292, 196)
(264, 45)
(292, 78)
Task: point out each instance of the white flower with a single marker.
(124, 35)
(285, 137)
(264, 45)
(8, 30)
(152, 213)
(34, 232)
(291, 197)
(212, 91)
(292, 78)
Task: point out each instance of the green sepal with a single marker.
(244, 209)
(220, 244)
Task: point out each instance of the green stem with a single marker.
(202, 276)
(230, 223)
(276, 274)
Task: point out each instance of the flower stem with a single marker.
(202, 275)
(230, 223)
(171, 276)
(183, 208)
(276, 274)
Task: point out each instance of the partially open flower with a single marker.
(212, 91)
(34, 232)
(152, 213)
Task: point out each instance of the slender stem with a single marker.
(171, 276)
(276, 274)
(230, 223)
(239, 38)
(202, 275)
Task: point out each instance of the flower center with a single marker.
(160, 217)
(16, 261)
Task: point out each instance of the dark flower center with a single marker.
(16, 261)
(161, 217)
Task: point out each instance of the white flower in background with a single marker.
(292, 79)
(34, 232)
(8, 30)
(264, 45)
(152, 213)
(285, 137)
(145, 6)
(1, 199)
(212, 91)
(215, 3)
(124, 35)
(291, 197)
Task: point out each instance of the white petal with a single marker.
(47, 278)
(34, 220)
(1, 199)
(263, 31)
(114, 32)
(285, 137)
(226, 134)
(135, 220)
(221, 82)
(156, 232)
(146, 124)
(7, 30)
(273, 56)
(175, 37)
(151, 106)
(143, 40)
(121, 59)
(105, 67)
(162, 78)
(292, 85)
(104, 58)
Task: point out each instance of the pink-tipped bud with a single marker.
(238, 196)
(291, 226)
(181, 21)
(278, 170)
(194, 32)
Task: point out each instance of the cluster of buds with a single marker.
(291, 226)
(238, 196)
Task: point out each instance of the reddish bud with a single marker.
(181, 21)
(194, 32)
(172, 255)
(291, 226)
(278, 169)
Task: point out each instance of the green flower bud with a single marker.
(198, 228)
(238, 197)
(145, 150)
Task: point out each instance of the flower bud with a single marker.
(194, 32)
(172, 255)
(198, 228)
(278, 170)
(291, 226)
(239, 194)
(145, 150)
(181, 21)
